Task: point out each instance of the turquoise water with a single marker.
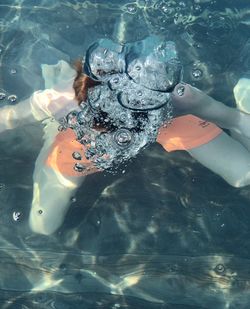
(165, 234)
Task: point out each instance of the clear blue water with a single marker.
(166, 234)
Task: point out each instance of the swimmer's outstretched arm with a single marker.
(196, 102)
(14, 116)
(41, 105)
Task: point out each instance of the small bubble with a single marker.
(138, 68)
(181, 91)
(123, 137)
(220, 268)
(61, 128)
(131, 8)
(197, 8)
(72, 119)
(40, 211)
(165, 9)
(76, 155)
(197, 73)
(78, 167)
(115, 80)
(2, 95)
(16, 215)
(12, 98)
(73, 199)
(63, 267)
(13, 71)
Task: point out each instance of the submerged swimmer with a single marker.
(70, 154)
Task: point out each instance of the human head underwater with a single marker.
(131, 101)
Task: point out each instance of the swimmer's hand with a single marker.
(190, 100)
(13, 116)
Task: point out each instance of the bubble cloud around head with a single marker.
(124, 112)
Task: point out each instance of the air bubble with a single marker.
(13, 71)
(12, 98)
(16, 215)
(78, 167)
(138, 68)
(40, 211)
(165, 9)
(197, 73)
(81, 117)
(2, 95)
(220, 268)
(61, 128)
(180, 91)
(197, 8)
(123, 137)
(76, 155)
(131, 8)
(72, 119)
(115, 80)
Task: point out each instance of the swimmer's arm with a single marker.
(41, 105)
(201, 105)
(13, 116)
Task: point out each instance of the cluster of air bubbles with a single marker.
(10, 98)
(124, 112)
(220, 27)
(164, 14)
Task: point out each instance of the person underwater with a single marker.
(112, 105)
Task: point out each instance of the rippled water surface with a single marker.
(167, 233)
